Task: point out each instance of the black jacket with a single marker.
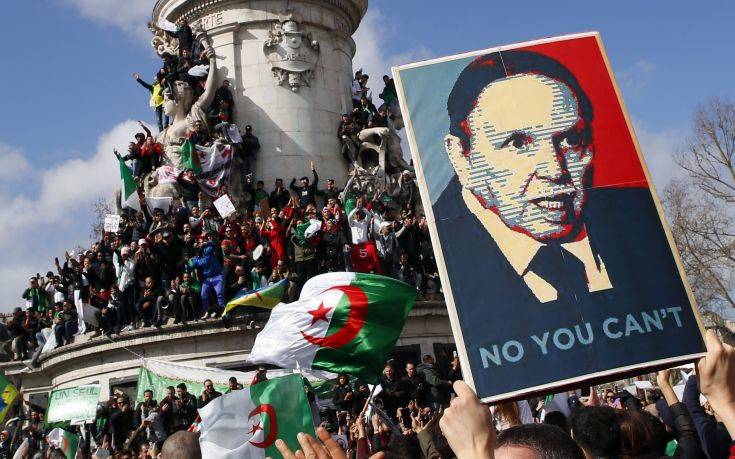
(306, 194)
(204, 399)
(185, 412)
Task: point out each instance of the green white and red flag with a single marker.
(245, 423)
(66, 441)
(128, 188)
(342, 322)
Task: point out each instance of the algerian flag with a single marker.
(342, 322)
(128, 188)
(8, 394)
(67, 442)
(189, 158)
(246, 423)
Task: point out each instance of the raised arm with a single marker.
(205, 100)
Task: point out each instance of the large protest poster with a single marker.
(76, 404)
(556, 262)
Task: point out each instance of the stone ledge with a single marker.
(85, 345)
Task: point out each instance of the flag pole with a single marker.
(369, 400)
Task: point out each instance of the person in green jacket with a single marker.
(439, 388)
(36, 296)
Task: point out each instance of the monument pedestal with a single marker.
(290, 68)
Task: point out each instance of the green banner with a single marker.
(73, 405)
(158, 384)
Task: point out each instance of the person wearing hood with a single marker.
(209, 270)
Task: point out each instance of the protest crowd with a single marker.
(183, 262)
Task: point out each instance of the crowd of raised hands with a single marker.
(468, 428)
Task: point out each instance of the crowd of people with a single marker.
(427, 411)
(184, 262)
(433, 415)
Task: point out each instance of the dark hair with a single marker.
(148, 390)
(170, 388)
(547, 441)
(597, 430)
(557, 418)
(495, 66)
(181, 386)
(635, 434)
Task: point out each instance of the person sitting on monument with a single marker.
(363, 114)
(379, 120)
(223, 93)
(156, 102)
(306, 192)
(67, 325)
(150, 303)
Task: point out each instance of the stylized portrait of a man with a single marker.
(521, 142)
(555, 260)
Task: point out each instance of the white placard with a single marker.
(112, 223)
(224, 206)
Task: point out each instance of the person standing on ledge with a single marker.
(306, 192)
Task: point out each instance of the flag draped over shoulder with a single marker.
(246, 423)
(8, 394)
(128, 187)
(267, 297)
(342, 322)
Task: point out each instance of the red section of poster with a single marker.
(616, 161)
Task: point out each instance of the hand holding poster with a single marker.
(112, 223)
(556, 261)
(224, 206)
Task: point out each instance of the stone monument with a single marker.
(289, 63)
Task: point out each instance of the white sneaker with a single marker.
(127, 328)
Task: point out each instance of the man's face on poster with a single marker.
(528, 155)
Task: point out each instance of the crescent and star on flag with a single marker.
(355, 320)
(269, 439)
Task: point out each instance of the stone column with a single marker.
(293, 91)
